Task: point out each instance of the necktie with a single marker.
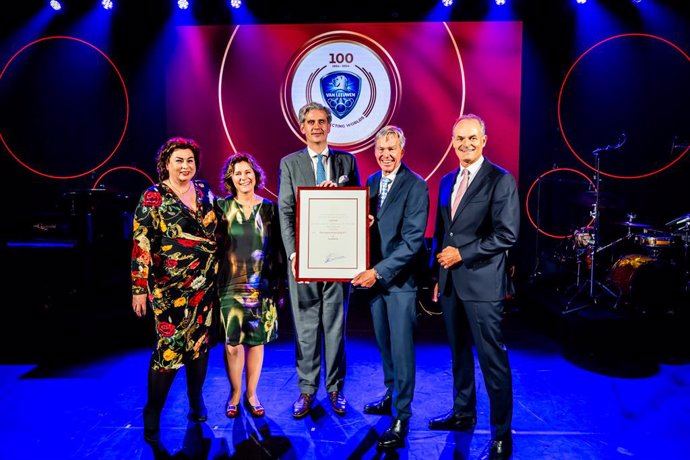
(464, 180)
(385, 183)
(320, 170)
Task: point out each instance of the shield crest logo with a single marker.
(341, 91)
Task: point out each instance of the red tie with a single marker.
(464, 180)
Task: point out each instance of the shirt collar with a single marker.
(392, 175)
(474, 167)
(312, 154)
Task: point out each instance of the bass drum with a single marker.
(646, 285)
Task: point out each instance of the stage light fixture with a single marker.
(183, 4)
(500, 2)
(107, 4)
(447, 3)
(235, 3)
(581, 2)
(637, 1)
(54, 4)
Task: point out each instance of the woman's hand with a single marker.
(139, 304)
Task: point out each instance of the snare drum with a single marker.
(654, 239)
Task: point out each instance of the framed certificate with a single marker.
(332, 233)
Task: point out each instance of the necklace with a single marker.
(177, 191)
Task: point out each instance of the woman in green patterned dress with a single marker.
(249, 279)
(174, 267)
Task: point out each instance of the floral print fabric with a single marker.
(174, 261)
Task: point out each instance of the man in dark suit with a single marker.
(317, 307)
(477, 221)
(400, 207)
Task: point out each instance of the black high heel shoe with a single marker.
(256, 411)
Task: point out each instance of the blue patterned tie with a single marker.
(320, 170)
(385, 182)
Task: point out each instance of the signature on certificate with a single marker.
(331, 257)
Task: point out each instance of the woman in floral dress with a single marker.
(250, 278)
(174, 267)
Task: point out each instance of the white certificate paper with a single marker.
(332, 233)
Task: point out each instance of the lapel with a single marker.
(474, 187)
(306, 166)
(394, 189)
(335, 166)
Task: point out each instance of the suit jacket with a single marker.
(297, 170)
(484, 228)
(397, 235)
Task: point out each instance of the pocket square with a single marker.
(343, 179)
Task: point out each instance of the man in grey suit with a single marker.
(400, 207)
(317, 307)
(477, 221)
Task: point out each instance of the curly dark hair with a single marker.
(229, 170)
(167, 149)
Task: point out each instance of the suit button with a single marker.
(451, 233)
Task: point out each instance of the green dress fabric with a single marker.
(174, 261)
(250, 272)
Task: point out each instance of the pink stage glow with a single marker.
(225, 87)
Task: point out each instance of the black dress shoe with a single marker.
(394, 436)
(453, 422)
(198, 414)
(197, 410)
(501, 449)
(302, 406)
(380, 407)
(338, 402)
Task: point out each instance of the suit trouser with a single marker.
(394, 318)
(319, 310)
(478, 322)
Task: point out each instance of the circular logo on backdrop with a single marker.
(354, 76)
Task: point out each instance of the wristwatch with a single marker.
(378, 277)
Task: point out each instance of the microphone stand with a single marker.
(592, 282)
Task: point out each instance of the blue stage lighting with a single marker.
(107, 4)
(235, 3)
(54, 4)
(183, 4)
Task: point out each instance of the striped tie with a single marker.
(385, 183)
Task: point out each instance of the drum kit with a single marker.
(651, 275)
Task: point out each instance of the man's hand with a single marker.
(327, 183)
(449, 257)
(371, 220)
(366, 279)
(293, 262)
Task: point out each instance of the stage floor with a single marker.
(577, 395)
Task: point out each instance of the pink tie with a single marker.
(464, 180)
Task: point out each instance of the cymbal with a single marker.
(633, 224)
(680, 220)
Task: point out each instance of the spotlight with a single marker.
(235, 3)
(54, 4)
(500, 2)
(107, 4)
(637, 1)
(183, 4)
(581, 2)
(447, 3)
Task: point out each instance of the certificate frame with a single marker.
(332, 233)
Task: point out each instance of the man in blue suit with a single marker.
(318, 308)
(477, 222)
(400, 207)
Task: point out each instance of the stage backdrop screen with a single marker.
(239, 88)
